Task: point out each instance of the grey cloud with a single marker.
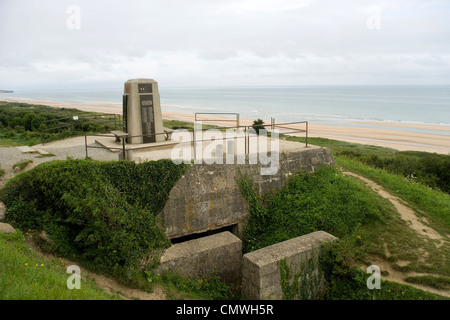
(244, 41)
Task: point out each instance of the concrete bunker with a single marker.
(207, 197)
(257, 274)
(204, 218)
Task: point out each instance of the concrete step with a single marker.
(27, 149)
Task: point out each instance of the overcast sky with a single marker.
(101, 44)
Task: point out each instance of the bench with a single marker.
(119, 135)
(124, 135)
(168, 133)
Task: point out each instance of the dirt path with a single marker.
(405, 212)
(107, 284)
(113, 287)
(415, 224)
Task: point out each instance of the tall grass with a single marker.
(28, 275)
(432, 203)
(325, 200)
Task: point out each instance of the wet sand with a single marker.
(386, 134)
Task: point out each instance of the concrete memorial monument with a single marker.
(142, 111)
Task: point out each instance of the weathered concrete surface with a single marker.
(261, 278)
(207, 196)
(6, 228)
(2, 210)
(219, 254)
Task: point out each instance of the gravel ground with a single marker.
(75, 148)
(72, 147)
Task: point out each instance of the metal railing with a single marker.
(80, 120)
(287, 128)
(236, 120)
(291, 129)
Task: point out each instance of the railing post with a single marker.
(194, 142)
(123, 149)
(85, 145)
(306, 134)
(247, 140)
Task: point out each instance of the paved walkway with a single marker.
(75, 148)
(71, 147)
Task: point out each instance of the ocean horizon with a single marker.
(336, 105)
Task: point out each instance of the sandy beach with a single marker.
(400, 136)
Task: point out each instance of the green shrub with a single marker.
(325, 200)
(23, 123)
(257, 125)
(430, 169)
(85, 208)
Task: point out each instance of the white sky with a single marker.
(230, 42)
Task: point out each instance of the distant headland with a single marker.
(6, 91)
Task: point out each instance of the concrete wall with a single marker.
(207, 196)
(293, 261)
(219, 254)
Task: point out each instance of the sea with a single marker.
(333, 105)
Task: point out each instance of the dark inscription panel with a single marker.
(145, 88)
(147, 116)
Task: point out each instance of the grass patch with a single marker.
(353, 287)
(365, 223)
(45, 155)
(177, 287)
(28, 275)
(325, 200)
(178, 124)
(347, 281)
(439, 283)
(27, 124)
(426, 168)
(22, 164)
(429, 202)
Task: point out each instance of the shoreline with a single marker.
(401, 140)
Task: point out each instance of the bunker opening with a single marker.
(233, 228)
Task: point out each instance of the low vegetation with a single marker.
(364, 222)
(430, 169)
(326, 200)
(177, 287)
(22, 164)
(26, 274)
(189, 126)
(101, 213)
(26, 124)
(384, 235)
